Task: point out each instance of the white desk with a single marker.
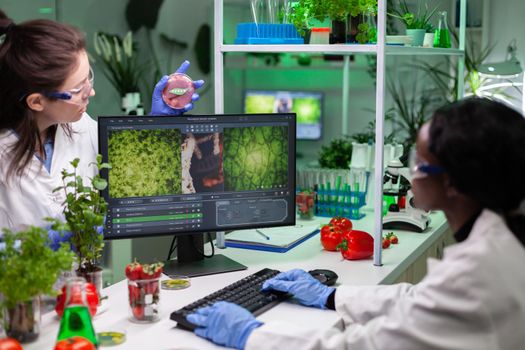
(308, 255)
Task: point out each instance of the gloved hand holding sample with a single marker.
(306, 289)
(224, 323)
(158, 101)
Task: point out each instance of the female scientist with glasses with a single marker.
(45, 86)
(468, 164)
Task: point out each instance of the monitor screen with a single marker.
(307, 105)
(197, 173)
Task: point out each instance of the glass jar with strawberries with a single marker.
(144, 291)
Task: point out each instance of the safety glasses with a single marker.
(420, 168)
(76, 96)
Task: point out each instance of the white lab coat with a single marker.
(27, 200)
(473, 299)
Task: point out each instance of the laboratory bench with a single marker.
(402, 262)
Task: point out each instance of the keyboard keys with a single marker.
(245, 292)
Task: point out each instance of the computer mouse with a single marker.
(326, 277)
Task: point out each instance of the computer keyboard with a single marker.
(245, 292)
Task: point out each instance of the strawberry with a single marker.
(392, 237)
(386, 243)
(134, 271)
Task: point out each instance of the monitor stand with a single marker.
(191, 262)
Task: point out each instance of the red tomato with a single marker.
(9, 344)
(343, 223)
(331, 236)
(91, 298)
(74, 343)
(356, 245)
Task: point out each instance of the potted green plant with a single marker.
(416, 22)
(120, 66)
(30, 268)
(85, 211)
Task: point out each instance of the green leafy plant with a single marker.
(337, 154)
(410, 111)
(414, 20)
(119, 61)
(84, 211)
(445, 78)
(31, 267)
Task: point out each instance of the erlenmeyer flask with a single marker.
(76, 320)
(442, 35)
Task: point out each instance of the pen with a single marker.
(262, 234)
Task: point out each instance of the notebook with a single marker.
(281, 239)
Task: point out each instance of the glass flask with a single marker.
(442, 34)
(76, 320)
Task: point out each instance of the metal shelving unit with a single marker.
(379, 49)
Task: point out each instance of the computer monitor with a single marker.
(193, 174)
(308, 106)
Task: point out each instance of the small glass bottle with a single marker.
(442, 34)
(76, 320)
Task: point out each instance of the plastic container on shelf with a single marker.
(320, 36)
(267, 33)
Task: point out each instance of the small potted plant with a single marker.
(85, 211)
(416, 22)
(30, 268)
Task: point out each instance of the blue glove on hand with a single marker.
(158, 107)
(224, 323)
(306, 289)
(56, 238)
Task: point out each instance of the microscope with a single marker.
(408, 218)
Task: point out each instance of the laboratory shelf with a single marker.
(380, 50)
(341, 49)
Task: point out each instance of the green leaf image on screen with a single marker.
(255, 158)
(308, 110)
(259, 104)
(145, 163)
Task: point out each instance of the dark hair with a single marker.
(481, 144)
(35, 56)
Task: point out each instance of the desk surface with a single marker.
(308, 255)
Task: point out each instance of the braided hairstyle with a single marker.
(481, 144)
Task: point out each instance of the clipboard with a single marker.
(282, 239)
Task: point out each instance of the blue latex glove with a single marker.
(158, 107)
(56, 238)
(306, 289)
(224, 323)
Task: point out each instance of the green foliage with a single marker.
(337, 154)
(442, 75)
(119, 61)
(32, 268)
(84, 211)
(337, 10)
(145, 162)
(414, 20)
(255, 158)
(411, 111)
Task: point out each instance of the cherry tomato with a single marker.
(91, 298)
(10, 344)
(356, 245)
(331, 236)
(343, 223)
(74, 343)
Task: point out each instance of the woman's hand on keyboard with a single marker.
(306, 289)
(224, 323)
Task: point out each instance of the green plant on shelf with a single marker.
(414, 20)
